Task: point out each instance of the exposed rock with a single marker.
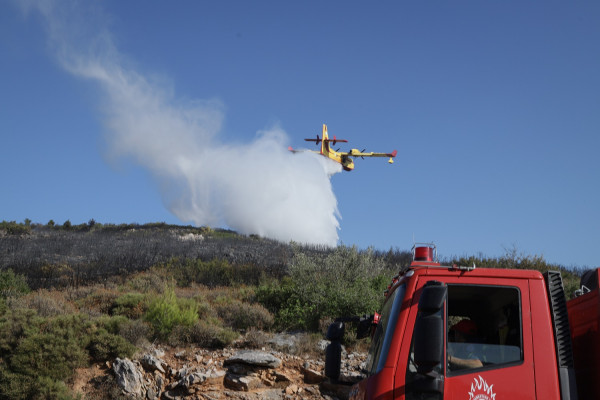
(255, 358)
(128, 376)
(232, 374)
(190, 380)
(322, 344)
(151, 363)
(292, 389)
(336, 390)
(283, 342)
(242, 382)
(311, 376)
(158, 353)
(282, 376)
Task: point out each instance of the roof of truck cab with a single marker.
(443, 270)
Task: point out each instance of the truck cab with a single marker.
(460, 332)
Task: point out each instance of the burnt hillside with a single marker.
(52, 256)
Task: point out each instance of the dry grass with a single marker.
(47, 303)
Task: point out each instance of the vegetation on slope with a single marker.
(71, 295)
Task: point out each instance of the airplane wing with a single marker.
(335, 140)
(358, 153)
(301, 150)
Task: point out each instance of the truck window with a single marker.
(385, 331)
(483, 327)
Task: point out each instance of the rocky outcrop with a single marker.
(129, 377)
(175, 374)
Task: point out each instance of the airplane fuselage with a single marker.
(326, 150)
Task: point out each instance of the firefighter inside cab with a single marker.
(462, 351)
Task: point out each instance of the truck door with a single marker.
(486, 354)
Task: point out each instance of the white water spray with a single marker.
(257, 187)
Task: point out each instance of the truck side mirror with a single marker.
(365, 325)
(429, 328)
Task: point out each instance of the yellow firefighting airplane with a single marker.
(343, 157)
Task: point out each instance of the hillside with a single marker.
(74, 255)
(75, 299)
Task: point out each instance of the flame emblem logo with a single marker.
(480, 390)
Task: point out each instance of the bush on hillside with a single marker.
(130, 305)
(167, 311)
(342, 283)
(14, 386)
(12, 285)
(204, 333)
(214, 273)
(243, 316)
(14, 228)
(43, 352)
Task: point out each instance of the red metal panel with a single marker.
(584, 316)
(546, 372)
(515, 382)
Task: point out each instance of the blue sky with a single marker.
(494, 108)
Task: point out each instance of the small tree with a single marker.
(167, 311)
(12, 285)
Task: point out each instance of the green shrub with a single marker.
(167, 311)
(53, 348)
(154, 280)
(136, 331)
(214, 273)
(205, 333)
(44, 388)
(209, 273)
(49, 355)
(111, 323)
(14, 325)
(14, 228)
(12, 285)
(47, 303)
(98, 301)
(14, 386)
(130, 305)
(344, 282)
(105, 346)
(242, 316)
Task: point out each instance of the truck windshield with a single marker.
(385, 331)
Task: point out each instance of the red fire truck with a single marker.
(467, 333)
